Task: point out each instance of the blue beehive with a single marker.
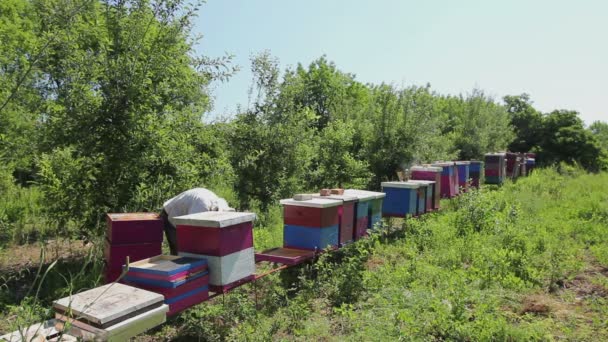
(401, 198)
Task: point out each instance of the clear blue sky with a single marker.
(555, 50)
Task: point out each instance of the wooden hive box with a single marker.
(374, 210)
(346, 216)
(362, 210)
(494, 168)
(430, 173)
(311, 224)
(114, 312)
(228, 270)
(449, 173)
(214, 233)
(182, 281)
(463, 175)
(476, 172)
(430, 193)
(115, 256)
(401, 198)
(134, 228)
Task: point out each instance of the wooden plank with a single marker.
(45, 331)
(107, 303)
(287, 256)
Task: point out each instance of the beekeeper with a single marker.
(193, 201)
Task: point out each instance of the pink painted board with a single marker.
(115, 255)
(360, 228)
(173, 277)
(347, 224)
(126, 228)
(177, 291)
(287, 256)
(188, 302)
(214, 241)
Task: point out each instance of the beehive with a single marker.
(463, 175)
(311, 224)
(362, 210)
(495, 168)
(374, 209)
(225, 239)
(136, 235)
(475, 172)
(449, 175)
(182, 281)
(430, 193)
(430, 173)
(401, 198)
(346, 216)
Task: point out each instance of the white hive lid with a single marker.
(462, 162)
(427, 168)
(443, 163)
(364, 194)
(313, 203)
(108, 302)
(344, 198)
(214, 219)
(402, 185)
(421, 181)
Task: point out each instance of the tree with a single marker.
(123, 98)
(527, 122)
(600, 131)
(565, 139)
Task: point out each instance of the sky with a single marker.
(554, 50)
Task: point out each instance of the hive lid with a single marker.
(109, 303)
(313, 203)
(499, 154)
(364, 194)
(214, 219)
(403, 185)
(344, 198)
(462, 162)
(426, 168)
(166, 265)
(132, 216)
(443, 163)
(422, 181)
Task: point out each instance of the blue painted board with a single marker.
(399, 202)
(362, 209)
(186, 295)
(310, 238)
(166, 265)
(163, 283)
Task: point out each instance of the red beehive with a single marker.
(430, 173)
(215, 233)
(346, 216)
(128, 228)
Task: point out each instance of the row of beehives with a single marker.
(216, 249)
(500, 166)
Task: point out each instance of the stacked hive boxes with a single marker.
(346, 217)
(429, 173)
(449, 175)
(311, 224)
(225, 239)
(362, 210)
(401, 199)
(463, 175)
(183, 281)
(495, 170)
(475, 172)
(374, 209)
(429, 188)
(113, 312)
(136, 235)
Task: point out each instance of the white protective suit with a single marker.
(194, 201)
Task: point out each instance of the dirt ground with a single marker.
(14, 259)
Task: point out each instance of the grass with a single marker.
(527, 261)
